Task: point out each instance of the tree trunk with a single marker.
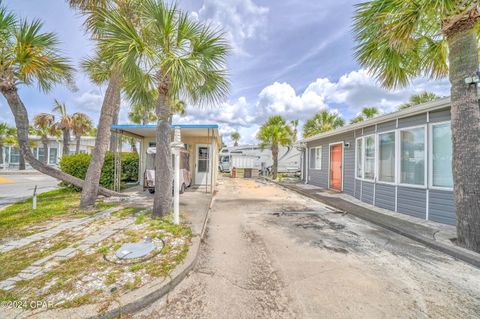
(162, 202)
(21, 121)
(66, 141)
(107, 113)
(145, 120)
(45, 150)
(134, 147)
(465, 123)
(113, 137)
(21, 162)
(235, 144)
(77, 144)
(275, 161)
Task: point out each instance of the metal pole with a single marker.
(208, 161)
(176, 177)
(34, 199)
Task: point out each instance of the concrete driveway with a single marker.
(14, 188)
(271, 253)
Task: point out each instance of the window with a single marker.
(412, 156)
(441, 156)
(369, 157)
(316, 158)
(386, 157)
(41, 154)
(359, 157)
(52, 157)
(14, 155)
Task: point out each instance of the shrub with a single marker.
(77, 165)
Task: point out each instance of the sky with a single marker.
(289, 57)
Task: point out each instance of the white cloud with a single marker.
(241, 19)
(90, 101)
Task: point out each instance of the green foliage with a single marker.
(366, 114)
(322, 122)
(77, 165)
(422, 97)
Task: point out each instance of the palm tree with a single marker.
(180, 58)
(142, 114)
(29, 56)
(44, 124)
(65, 123)
(400, 40)
(366, 114)
(422, 97)
(235, 136)
(322, 122)
(81, 125)
(294, 124)
(275, 132)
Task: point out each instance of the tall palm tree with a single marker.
(400, 40)
(65, 123)
(142, 114)
(235, 136)
(44, 123)
(180, 58)
(366, 114)
(81, 125)
(30, 56)
(275, 132)
(322, 122)
(422, 97)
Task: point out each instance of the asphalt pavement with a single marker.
(14, 188)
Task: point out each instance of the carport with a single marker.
(202, 141)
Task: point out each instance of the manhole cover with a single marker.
(135, 250)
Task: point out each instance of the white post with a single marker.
(176, 179)
(34, 199)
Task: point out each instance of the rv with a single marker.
(288, 158)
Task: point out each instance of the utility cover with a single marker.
(135, 250)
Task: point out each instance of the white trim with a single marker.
(430, 156)
(419, 109)
(343, 161)
(373, 180)
(425, 184)
(307, 165)
(377, 165)
(427, 208)
(315, 157)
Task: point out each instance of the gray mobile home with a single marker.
(399, 161)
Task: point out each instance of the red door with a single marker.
(336, 167)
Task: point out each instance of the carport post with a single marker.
(177, 144)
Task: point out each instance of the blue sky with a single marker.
(289, 57)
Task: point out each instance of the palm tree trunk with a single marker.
(21, 162)
(21, 121)
(66, 141)
(235, 144)
(162, 202)
(275, 160)
(107, 113)
(45, 149)
(465, 122)
(77, 144)
(134, 147)
(113, 137)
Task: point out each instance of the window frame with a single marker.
(430, 156)
(425, 156)
(363, 138)
(315, 161)
(396, 159)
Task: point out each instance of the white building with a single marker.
(10, 157)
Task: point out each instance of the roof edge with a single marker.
(414, 110)
(126, 126)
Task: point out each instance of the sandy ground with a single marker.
(271, 253)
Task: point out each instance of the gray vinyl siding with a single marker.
(419, 119)
(387, 126)
(358, 188)
(385, 196)
(409, 200)
(440, 116)
(412, 201)
(367, 192)
(441, 207)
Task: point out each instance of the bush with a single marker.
(77, 165)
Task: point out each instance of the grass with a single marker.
(17, 220)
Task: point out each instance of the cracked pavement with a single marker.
(271, 253)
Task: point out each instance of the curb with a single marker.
(165, 288)
(467, 256)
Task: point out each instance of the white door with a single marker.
(202, 167)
